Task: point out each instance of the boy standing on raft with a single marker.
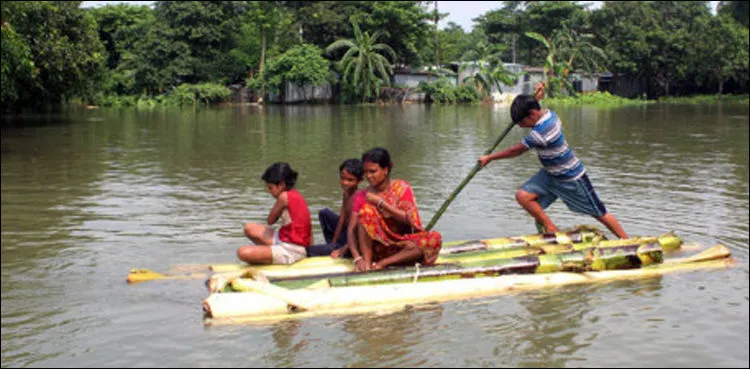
(562, 175)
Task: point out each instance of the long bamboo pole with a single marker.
(466, 180)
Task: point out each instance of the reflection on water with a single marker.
(88, 195)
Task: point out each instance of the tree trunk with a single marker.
(364, 88)
(406, 94)
(513, 46)
(262, 62)
(721, 84)
(437, 42)
(531, 54)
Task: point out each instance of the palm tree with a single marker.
(554, 70)
(567, 43)
(363, 62)
(492, 72)
(577, 46)
(436, 17)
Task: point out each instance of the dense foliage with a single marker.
(54, 51)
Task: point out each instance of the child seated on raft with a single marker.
(335, 226)
(288, 244)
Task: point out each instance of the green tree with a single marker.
(244, 57)
(198, 25)
(323, 22)
(626, 31)
(364, 62)
(16, 66)
(504, 26)
(515, 18)
(404, 25)
(673, 43)
(454, 42)
(264, 31)
(303, 65)
(568, 50)
(64, 46)
(436, 17)
(269, 18)
(120, 28)
(158, 64)
(555, 69)
(491, 72)
(739, 10)
(579, 51)
(724, 46)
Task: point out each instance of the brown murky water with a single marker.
(87, 196)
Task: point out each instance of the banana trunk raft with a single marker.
(608, 258)
(328, 268)
(268, 299)
(579, 238)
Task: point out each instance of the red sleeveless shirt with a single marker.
(299, 231)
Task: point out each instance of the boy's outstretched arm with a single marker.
(510, 152)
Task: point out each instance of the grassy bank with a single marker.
(604, 99)
(204, 94)
(706, 99)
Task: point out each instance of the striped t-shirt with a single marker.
(546, 137)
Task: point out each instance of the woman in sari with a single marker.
(390, 231)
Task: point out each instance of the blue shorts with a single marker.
(578, 195)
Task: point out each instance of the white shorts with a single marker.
(285, 252)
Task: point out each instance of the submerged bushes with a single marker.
(185, 94)
(706, 99)
(594, 98)
(443, 91)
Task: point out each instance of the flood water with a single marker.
(88, 195)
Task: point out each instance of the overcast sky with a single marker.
(460, 12)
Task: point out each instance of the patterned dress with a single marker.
(391, 236)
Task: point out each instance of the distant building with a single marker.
(582, 82)
(292, 93)
(410, 77)
(527, 78)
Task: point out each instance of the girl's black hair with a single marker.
(280, 172)
(379, 156)
(354, 167)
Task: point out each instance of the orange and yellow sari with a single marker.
(390, 236)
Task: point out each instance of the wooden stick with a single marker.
(143, 275)
(466, 180)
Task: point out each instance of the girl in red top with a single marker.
(288, 244)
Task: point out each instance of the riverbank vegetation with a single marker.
(596, 98)
(198, 52)
(707, 99)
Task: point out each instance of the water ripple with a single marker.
(84, 201)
